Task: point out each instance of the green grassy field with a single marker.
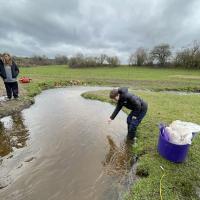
(121, 73)
(135, 77)
(181, 180)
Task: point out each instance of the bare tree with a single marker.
(102, 59)
(131, 60)
(61, 59)
(39, 60)
(90, 61)
(161, 53)
(77, 61)
(113, 61)
(189, 57)
(81, 61)
(141, 56)
(149, 60)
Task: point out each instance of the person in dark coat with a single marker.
(9, 72)
(134, 103)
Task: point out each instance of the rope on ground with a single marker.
(161, 182)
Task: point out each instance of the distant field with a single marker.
(121, 73)
(135, 77)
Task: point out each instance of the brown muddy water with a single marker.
(62, 148)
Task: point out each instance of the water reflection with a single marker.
(13, 134)
(118, 160)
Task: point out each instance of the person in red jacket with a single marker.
(9, 72)
(134, 103)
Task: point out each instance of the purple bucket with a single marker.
(172, 152)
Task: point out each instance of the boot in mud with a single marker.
(131, 133)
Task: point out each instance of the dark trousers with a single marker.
(134, 119)
(11, 89)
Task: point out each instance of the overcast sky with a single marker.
(115, 27)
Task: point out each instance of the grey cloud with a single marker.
(51, 27)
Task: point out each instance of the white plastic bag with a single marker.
(182, 132)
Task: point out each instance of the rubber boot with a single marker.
(131, 134)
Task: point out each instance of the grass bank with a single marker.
(181, 180)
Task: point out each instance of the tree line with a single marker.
(38, 60)
(160, 55)
(93, 61)
(79, 60)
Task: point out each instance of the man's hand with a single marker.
(109, 120)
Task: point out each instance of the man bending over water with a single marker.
(134, 103)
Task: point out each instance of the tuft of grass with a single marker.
(181, 179)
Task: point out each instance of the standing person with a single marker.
(137, 106)
(9, 72)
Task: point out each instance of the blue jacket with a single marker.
(128, 100)
(14, 69)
